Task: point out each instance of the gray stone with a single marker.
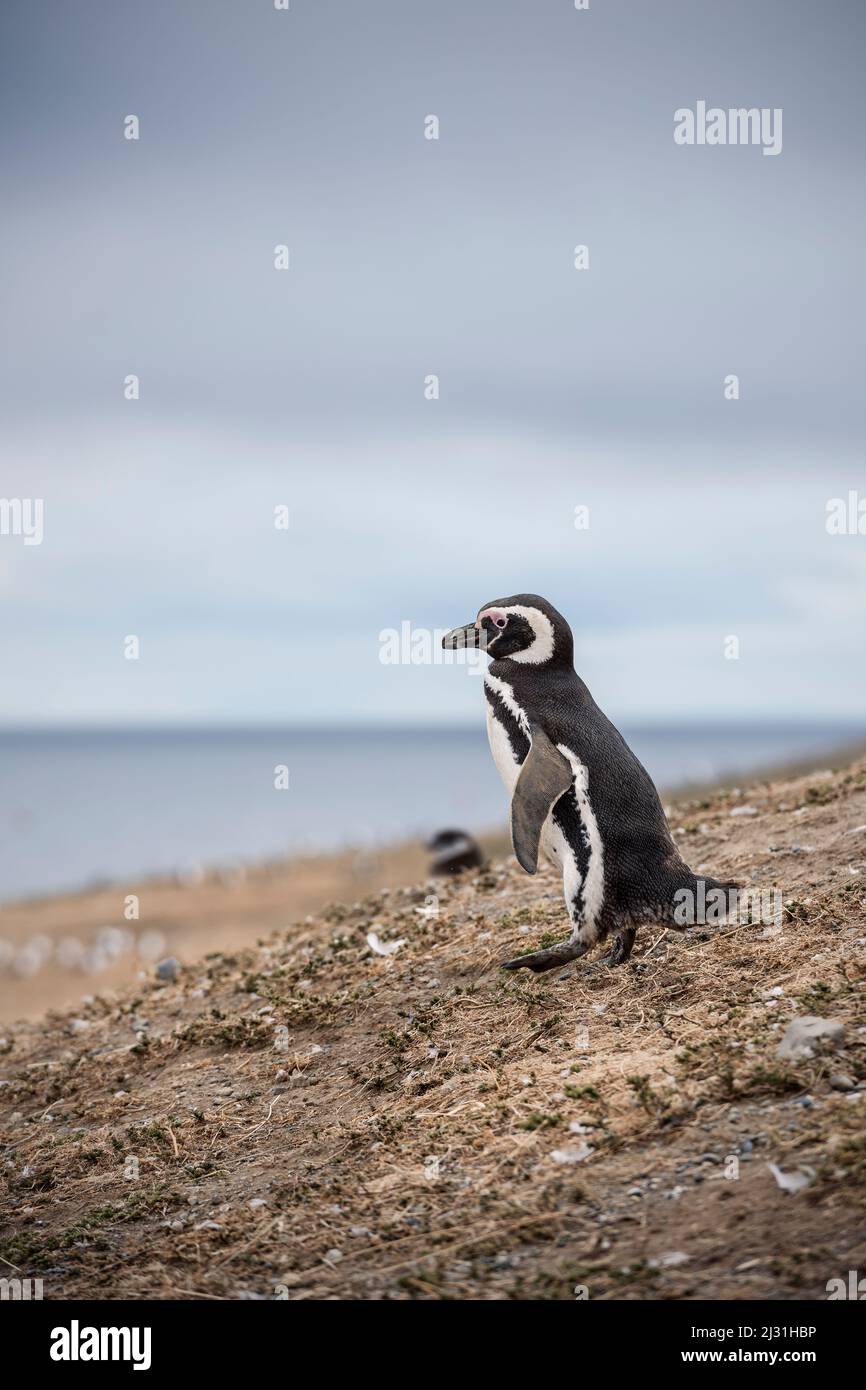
(168, 969)
(807, 1035)
(841, 1081)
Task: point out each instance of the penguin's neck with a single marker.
(508, 670)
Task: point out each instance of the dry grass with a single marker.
(396, 1118)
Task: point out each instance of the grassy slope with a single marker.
(401, 1145)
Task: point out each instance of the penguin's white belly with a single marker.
(553, 842)
(503, 754)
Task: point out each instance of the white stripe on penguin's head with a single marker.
(540, 647)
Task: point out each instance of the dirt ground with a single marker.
(308, 1119)
(187, 917)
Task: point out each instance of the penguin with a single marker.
(578, 793)
(453, 851)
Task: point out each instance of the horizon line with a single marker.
(644, 723)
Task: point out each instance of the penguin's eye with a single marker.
(500, 622)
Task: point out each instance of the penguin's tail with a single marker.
(701, 900)
(727, 884)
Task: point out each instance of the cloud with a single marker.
(408, 257)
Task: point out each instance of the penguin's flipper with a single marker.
(544, 776)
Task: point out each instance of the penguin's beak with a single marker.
(468, 636)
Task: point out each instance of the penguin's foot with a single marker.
(539, 961)
(621, 948)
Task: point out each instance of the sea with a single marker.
(82, 808)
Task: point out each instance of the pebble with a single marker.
(573, 1154)
(168, 969)
(841, 1081)
(670, 1259)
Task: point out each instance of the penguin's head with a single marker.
(524, 628)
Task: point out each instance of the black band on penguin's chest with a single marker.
(516, 737)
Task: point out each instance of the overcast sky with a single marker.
(559, 388)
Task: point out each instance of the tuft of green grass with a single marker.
(537, 1120)
(646, 1097)
(581, 1092)
(777, 1081)
(818, 996)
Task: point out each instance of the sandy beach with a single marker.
(187, 918)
